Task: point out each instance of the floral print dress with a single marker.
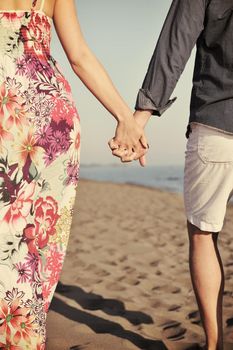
(39, 166)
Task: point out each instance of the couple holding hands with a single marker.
(47, 144)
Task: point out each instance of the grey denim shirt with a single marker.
(208, 24)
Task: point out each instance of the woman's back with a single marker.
(25, 32)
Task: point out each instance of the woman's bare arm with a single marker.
(93, 75)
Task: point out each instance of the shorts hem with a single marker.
(203, 225)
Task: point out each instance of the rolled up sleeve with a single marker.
(181, 29)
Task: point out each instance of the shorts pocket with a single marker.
(215, 147)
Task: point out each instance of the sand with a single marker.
(125, 283)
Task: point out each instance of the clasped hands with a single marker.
(129, 142)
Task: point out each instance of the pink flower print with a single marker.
(59, 141)
(35, 37)
(30, 238)
(9, 346)
(11, 20)
(46, 217)
(58, 110)
(54, 277)
(63, 80)
(13, 294)
(26, 330)
(28, 65)
(25, 146)
(63, 111)
(75, 137)
(17, 117)
(23, 271)
(73, 173)
(50, 155)
(11, 315)
(9, 100)
(54, 264)
(20, 208)
(5, 135)
(32, 260)
(21, 66)
(12, 83)
(46, 291)
(40, 346)
(44, 135)
(32, 37)
(55, 258)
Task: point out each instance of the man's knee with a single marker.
(194, 230)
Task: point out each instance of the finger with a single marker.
(130, 158)
(127, 159)
(116, 153)
(127, 151)
(137, 148)
(125, 155)
(140, 151)
(113, 144)
(143, 141)
(142, 161)
(120, 152)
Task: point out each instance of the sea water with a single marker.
(169, 177)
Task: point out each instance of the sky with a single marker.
(123, 34)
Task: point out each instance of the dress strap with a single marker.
(34, 2)
(42, 5)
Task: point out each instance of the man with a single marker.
(208, 177)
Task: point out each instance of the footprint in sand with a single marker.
(123, 258)
(229, 322)
(174, 308)
(132, 281)
(103, 273)
(110, 263)
(173, 331)
(169, 289)
(176, 290)
(129, 280)
(228, 293)
(116, 287)
(129, 269)
(156, 303)
(194, 317)
(142, 276)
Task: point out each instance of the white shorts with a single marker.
(208, 177)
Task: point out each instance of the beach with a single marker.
(125, 283)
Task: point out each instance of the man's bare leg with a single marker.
(207, 277)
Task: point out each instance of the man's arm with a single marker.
(181, 29)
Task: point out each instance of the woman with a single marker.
(39, 157)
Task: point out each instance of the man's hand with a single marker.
(142, 118)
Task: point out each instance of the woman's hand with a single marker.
(130, 142)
